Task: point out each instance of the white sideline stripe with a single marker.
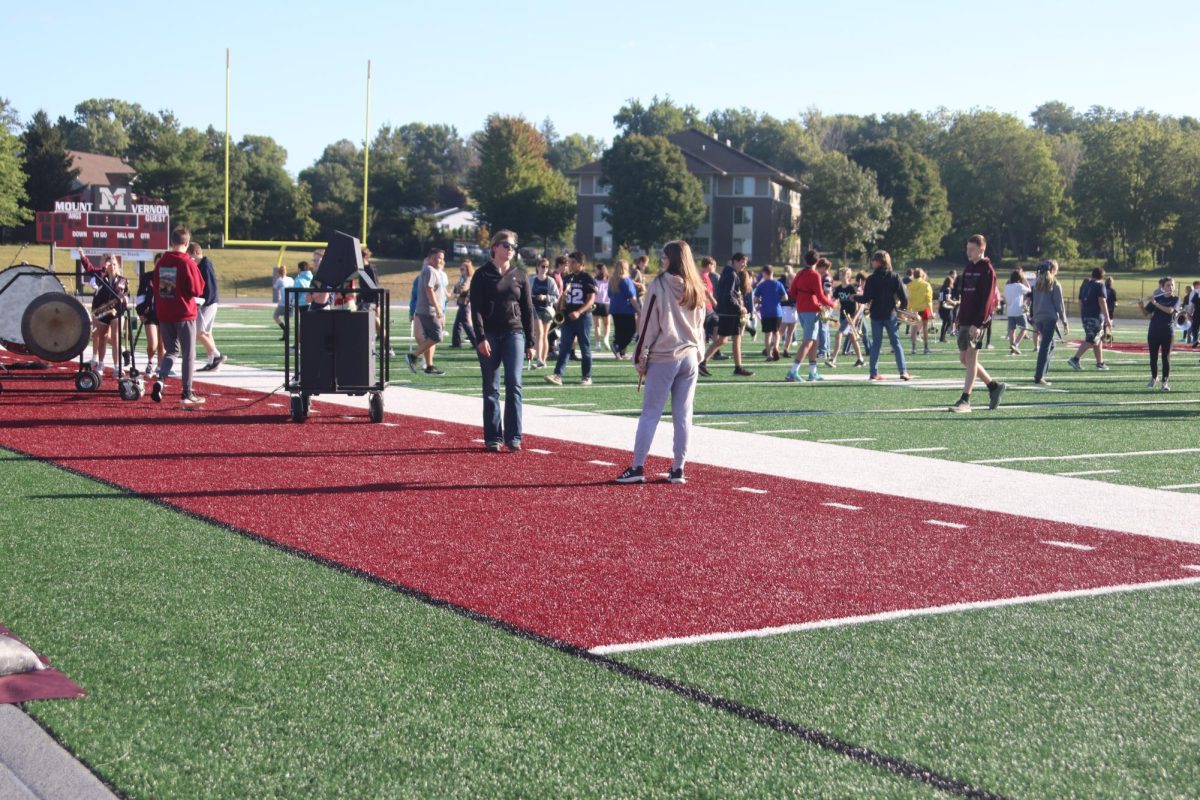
(1193, 567)
(479, 441)
(390, 424)
(714, 424)
(1181, 486)
(1085, 456)
(1088, 472)
(575, 405)
(920, 450)
(540, 452)
(276, 405)
(843, 506)
(599, 463)
(750, 490)
(1068, 545)
(1044, 496)
(787, 430)
(436, 433)
(945, 524)
(887, 616)
(858, 439)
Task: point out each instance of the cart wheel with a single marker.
(127, 389)
(87, 380)
(376, 406)
(299, 414)
(306, 399)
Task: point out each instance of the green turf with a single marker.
(1085, 698)
(218, 667)
(1086, 412)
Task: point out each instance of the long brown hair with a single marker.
(679, 262)
(620, 272)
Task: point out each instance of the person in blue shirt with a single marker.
(1093, 311)
(769, 296)
(303, 280)
(623, 306)
(1161, 334)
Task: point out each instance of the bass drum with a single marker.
(20, 286)
(55, 327)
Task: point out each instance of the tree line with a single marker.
(1115, 185)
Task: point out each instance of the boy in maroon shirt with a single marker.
(976, 304)
(177, 283)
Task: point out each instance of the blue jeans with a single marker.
(1046, 331)
(508, 350)
(568, 332)
(877, 328)
(822, 340)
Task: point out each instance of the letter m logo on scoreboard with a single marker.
(110, 199)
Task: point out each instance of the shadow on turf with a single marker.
(412, 451)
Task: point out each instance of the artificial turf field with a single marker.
(219, 666)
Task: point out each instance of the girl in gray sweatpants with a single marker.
(668, 356)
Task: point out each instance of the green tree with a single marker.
(49, 172)
(264, 201)
(920, 213)
(659, 118)
(335, 184)
(1056, 118)
(1002, 181)
(12, 178)
(1130, 188)
(103, 126)
(573, 151)
(653, 198)
(175, 164)
(515, 187)
(844, 210)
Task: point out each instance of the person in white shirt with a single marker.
(1015, 295)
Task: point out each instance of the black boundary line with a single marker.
(826, 741)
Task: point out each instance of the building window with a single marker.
(586, 182)
(762, 187)
(743, 186)
(744, 246)
(706, 183)
(743, 215)
(598, 213)
(700, 246)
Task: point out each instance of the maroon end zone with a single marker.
(546, 542)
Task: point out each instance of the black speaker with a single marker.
(336, 350)
(343, 258)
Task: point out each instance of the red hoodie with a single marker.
(177, 284)
(808, 292)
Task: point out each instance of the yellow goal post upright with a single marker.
(284, 245)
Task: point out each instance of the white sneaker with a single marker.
(1153, 382)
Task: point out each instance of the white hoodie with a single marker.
(668, 331)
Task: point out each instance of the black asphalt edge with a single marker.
(825, 741)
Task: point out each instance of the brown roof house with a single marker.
(753, 208)
(100, 170)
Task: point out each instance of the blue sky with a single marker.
(299, 68)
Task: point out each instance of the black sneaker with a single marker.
(719, 356)
(156, 391)
(741, 372)
(432, 370)
(411, 360)
(676, 476)
(514, 445)
(994, 395)
(632, 475)
(493, 446)
(206, 368)
(703, 369)
(216, 363)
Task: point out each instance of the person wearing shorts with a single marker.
(920, 301)
(977, 301)
(430, 317)
(1093, 312)
(769, 295)
(600, 315)
(206, 316)
(1016, 293)
(730, 308)
(845, 293)
(809, 292)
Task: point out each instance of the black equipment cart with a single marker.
(330, 349)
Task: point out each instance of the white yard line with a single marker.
(1072, 501)
(1086, 456)
(787, 430)
(1174, 486)
(1081, 473)
(749, 490)
(1069, 545)
(839, 441)
(843, 506)
(942, 523)
(920, 450)
(886, 616)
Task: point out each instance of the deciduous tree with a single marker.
(653, 198)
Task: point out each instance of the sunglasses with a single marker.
(507, 246)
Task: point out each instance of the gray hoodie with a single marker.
(668, 331)
(1047, 306)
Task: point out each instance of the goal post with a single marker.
(283, 245)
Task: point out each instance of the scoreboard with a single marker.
(107, 219)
